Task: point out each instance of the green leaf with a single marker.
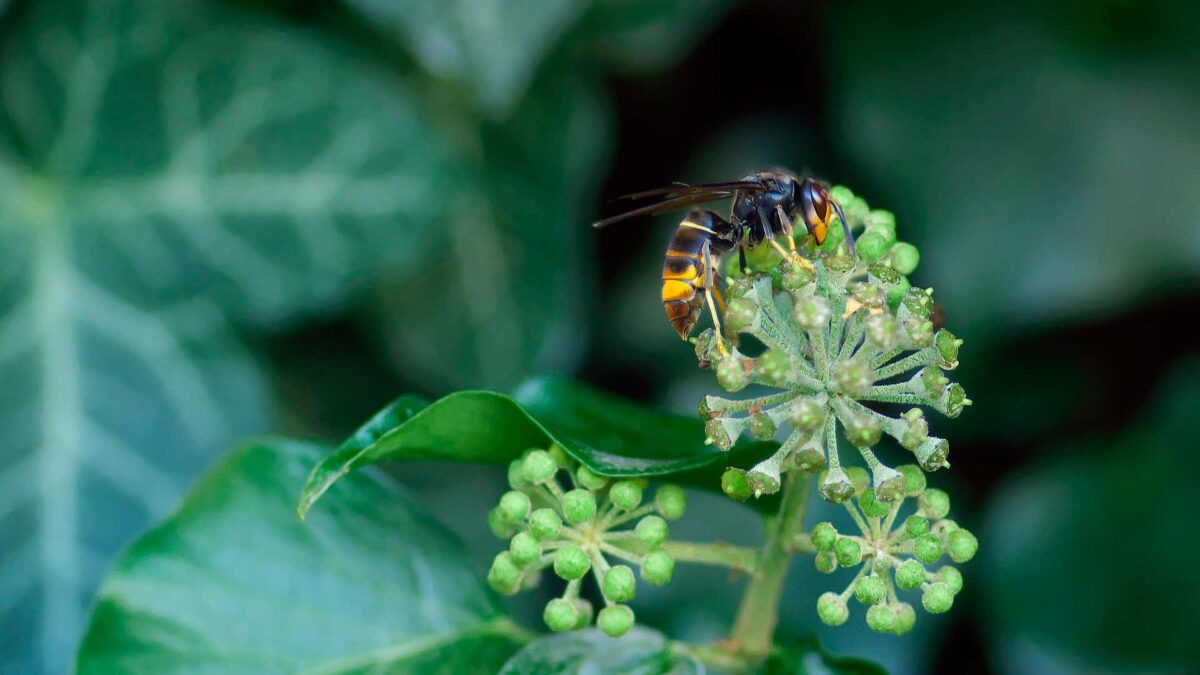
(1088, 563)
(513, 285)
(1042, 216)
(806, 656)
(644, 36)
(491, 46)
(167, 170)
(233, 583)
(610, 436)
(642, 651)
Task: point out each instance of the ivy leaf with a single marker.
(805, 655)
(610, 436)
(642, 651)
(1061, 184)
(491, 46)
(234, 583)
(1056, 597)
(167, 169)
(513, 287)
(643, 36)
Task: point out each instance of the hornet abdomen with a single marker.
(700, 239)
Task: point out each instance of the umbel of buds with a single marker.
(892, 553)
(561, 516)
(841, 334)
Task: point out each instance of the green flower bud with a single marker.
(538, 467)
(657, 568)
(916, 525)
(947, 346)
(910, 574)
(561, 459)
(919, 331)
(836, 486)
(937, 598)
(809, 457)
(889, 483)
(916, 431)
(848, 552)
(943, 528)
(881, 619)
(811, 312)
(498, 525)
(961, 545)
(586, 613)
(651, 531)
(918, 303)
(870, 590)
(832, 609)
(589, 479)
(883, 275)
(895, 296)
(794, 277)
(731, 373)
(740, 314)
(862, 431)
(934, 381)
(880, 219)
(762, 427)
(932, 453)
(561, 615)
(805, 414)
(724, 431)
(671, 501)
(516, 474)
(619, 584)
(544, 524)
(615, 620)
(579, 506)
(504, 576)
(841, 194)
(524, 549)
(858, 477)
(852, 377)
(571, 563)
(905, 258)
(514, 506)
(872, 507)
(906, 618)
(883, 330)
(927, 548)
(914, 479)
(625, 495)
(954, 402)
(773, 367)
(871, 246)
(952, 578)
(825, 561)
(735, 485)
(823, 536)
(935, 503)
(867, 294)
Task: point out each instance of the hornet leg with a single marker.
(710, 284)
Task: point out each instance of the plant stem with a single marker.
(756, 619)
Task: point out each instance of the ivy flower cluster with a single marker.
(841, 333)
(892, 554)
(560, 515)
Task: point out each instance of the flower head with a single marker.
(893, 554)
(562, 516)
(841, 335)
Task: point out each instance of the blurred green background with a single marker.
(227, 218)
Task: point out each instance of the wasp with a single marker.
(765, 205)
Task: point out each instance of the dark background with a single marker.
(1044, 157)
